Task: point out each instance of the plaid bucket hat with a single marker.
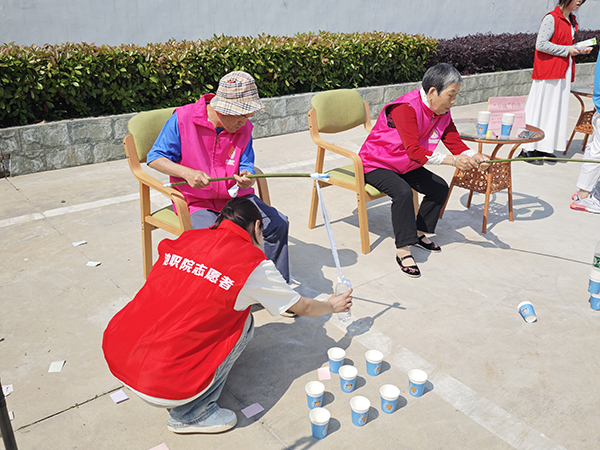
(237, 95)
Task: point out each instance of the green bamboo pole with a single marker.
(538, 158)
(258, 175)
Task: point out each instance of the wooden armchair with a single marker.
(333, 112)
(144, 128)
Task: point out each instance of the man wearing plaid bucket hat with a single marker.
(213, 138)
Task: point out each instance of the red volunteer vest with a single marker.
(216, 155)
(169, 340)
(550, 67)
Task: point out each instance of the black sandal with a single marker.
(431, 246)
(411, 271)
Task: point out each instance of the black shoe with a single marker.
(411, 271)
(531, 154)
(545, 154)
(431, 246)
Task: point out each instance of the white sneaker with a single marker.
(590, 204)
(221, 420)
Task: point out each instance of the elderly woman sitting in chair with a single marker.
(402, 141)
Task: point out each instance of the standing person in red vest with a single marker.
(547, 105)
(176, 341)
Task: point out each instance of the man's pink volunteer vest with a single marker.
(217, 155)
(169, 340)
(383, 148)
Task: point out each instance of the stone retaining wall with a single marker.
(68, 143)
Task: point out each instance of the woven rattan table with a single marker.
(498, 176)
(584, 123)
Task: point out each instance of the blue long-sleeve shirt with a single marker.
(168, 145)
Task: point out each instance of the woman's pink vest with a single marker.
(218, 156)
(169, 340)
(383, 148)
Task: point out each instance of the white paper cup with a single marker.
(336, 358)
(319, 420)
(348, 376)
(374, 358)
(416, 382)
(508, 119)
(360, 410)
(527, 312)
(314, 394)
(389, 398)
(483, 117)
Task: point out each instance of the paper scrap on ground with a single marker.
(56, 366)
(78, 243)
(252, 410)
(11, 415)
(119, 396)
(93, 263)
(7, 389)
(162, 446)
(324, 373)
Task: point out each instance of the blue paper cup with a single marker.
(482, 129)
(348, 378)
(526, 310)
(336, 358)
(595, 302)
(416, 382)
(314, 394)
(374, 358)
(389, 398)
(507, 122)
(594, 287)
(319, 422)
(483, 120)
(360, 410)
(505, 130)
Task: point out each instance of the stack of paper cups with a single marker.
(483, 120)
(507, 122)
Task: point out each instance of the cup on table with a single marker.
(319, 422)
(595, 302)
(416, 382)
(336, 358)
(348, 378)
(483, 120)
(374, 358)
(389, 398)
(314, 394)
(360, 410)
(526, 310)
(507, 122)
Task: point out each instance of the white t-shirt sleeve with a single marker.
(266, 286)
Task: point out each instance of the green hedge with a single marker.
(80, 80)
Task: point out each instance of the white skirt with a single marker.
(547, 108)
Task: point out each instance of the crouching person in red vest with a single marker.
(176, 341)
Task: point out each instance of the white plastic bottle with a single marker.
(595, 271)
(340, 287)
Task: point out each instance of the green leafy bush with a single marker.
(81, 80)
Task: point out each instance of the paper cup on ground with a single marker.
(507, 122)
(595, 302)
(348, 378)
(336, 358)
(389, 398)
(526, 310)
(314, 394)
(483, 120)
(594, 286)
(374, 358)
(360, 410)
(416, 382)
(319, 422)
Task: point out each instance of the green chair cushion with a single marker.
(145, 128)
(338, 110)
(346, 175)
(167, 214)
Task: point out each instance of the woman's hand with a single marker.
(342, 302)
(573, 51)
(464, 162)
(197, 179)
(244, 182)
(479, 158)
